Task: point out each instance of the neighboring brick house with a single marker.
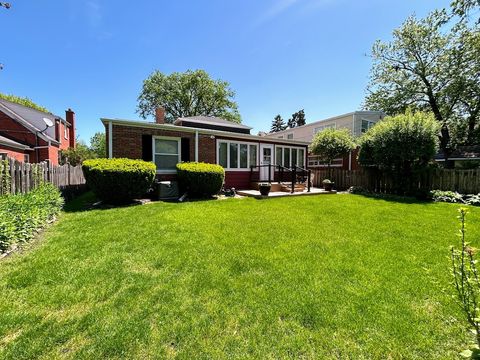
(357, 122)
(25, 133)
(205, 139)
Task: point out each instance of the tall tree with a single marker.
(424, 67)
(463, 8)
(98, 144)
(278, 124)
(191, 93)
(301, 118)
(297, 119)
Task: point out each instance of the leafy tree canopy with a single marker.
(401, 145)
(23, 101)
(432, 66)
(98, 144)
(191, 93)
(297, 119)
(331, 144)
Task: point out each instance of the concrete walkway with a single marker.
(276, 194)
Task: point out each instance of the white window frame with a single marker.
(228, 142)
(290, 136)
(305, 160)
(369, 126)
(26, 158)
(65, 131)
(179, 150)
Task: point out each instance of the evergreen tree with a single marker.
(278, 124)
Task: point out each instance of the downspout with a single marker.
(110, 138)
(196, 145)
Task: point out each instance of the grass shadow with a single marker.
(88, 201)
(396, 198)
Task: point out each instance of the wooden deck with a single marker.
(277, 194)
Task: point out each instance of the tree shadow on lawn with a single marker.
(88, 201)
(396, 198)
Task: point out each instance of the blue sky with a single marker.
(279, 56)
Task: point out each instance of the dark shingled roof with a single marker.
(33, 117)
(212, 120)
(11, 143)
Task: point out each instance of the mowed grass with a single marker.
(340, 276)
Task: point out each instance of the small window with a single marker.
(278, 155)
(26, 158)
(290, 136)
(166, 153)
(253, 155)
(366, 125)
(301, 158)
(222, 154)
(286, 157)
(65, 131)
(233, 155)
(3, 156)
(243, 156)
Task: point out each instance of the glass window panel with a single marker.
(278, 155)
(286, 157)
(253, 155)
(243, 156)
(163, 146)
(233, 155)
(294, 157)
(290, 136)
(166, 162)
(222, 154)
(301, 158)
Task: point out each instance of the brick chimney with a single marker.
(70, 117)
(160, 115)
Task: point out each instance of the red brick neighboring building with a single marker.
(205, 139)
(25, 133)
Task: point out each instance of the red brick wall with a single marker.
(127, 140)
(15, 131)
(13, 153)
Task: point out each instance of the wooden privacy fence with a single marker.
(18, 177)
(463, 181)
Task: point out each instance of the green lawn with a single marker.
(335, 276)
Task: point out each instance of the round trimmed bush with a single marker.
(200, 179)
(118, 180)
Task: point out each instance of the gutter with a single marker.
(170, 127)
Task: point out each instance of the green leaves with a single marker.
(330, 144)
(22, 215)
(191, 93)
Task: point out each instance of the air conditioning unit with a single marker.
(167, 190)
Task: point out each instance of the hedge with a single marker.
(23, 215)
(118, 180)
(200, 179)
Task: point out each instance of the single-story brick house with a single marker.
(30, 135)
(205, 139)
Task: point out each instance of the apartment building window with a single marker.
(366, 124)
(290, 136)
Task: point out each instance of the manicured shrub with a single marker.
(402, 147)
(200, 179)
(118, 181)
(22, 215)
